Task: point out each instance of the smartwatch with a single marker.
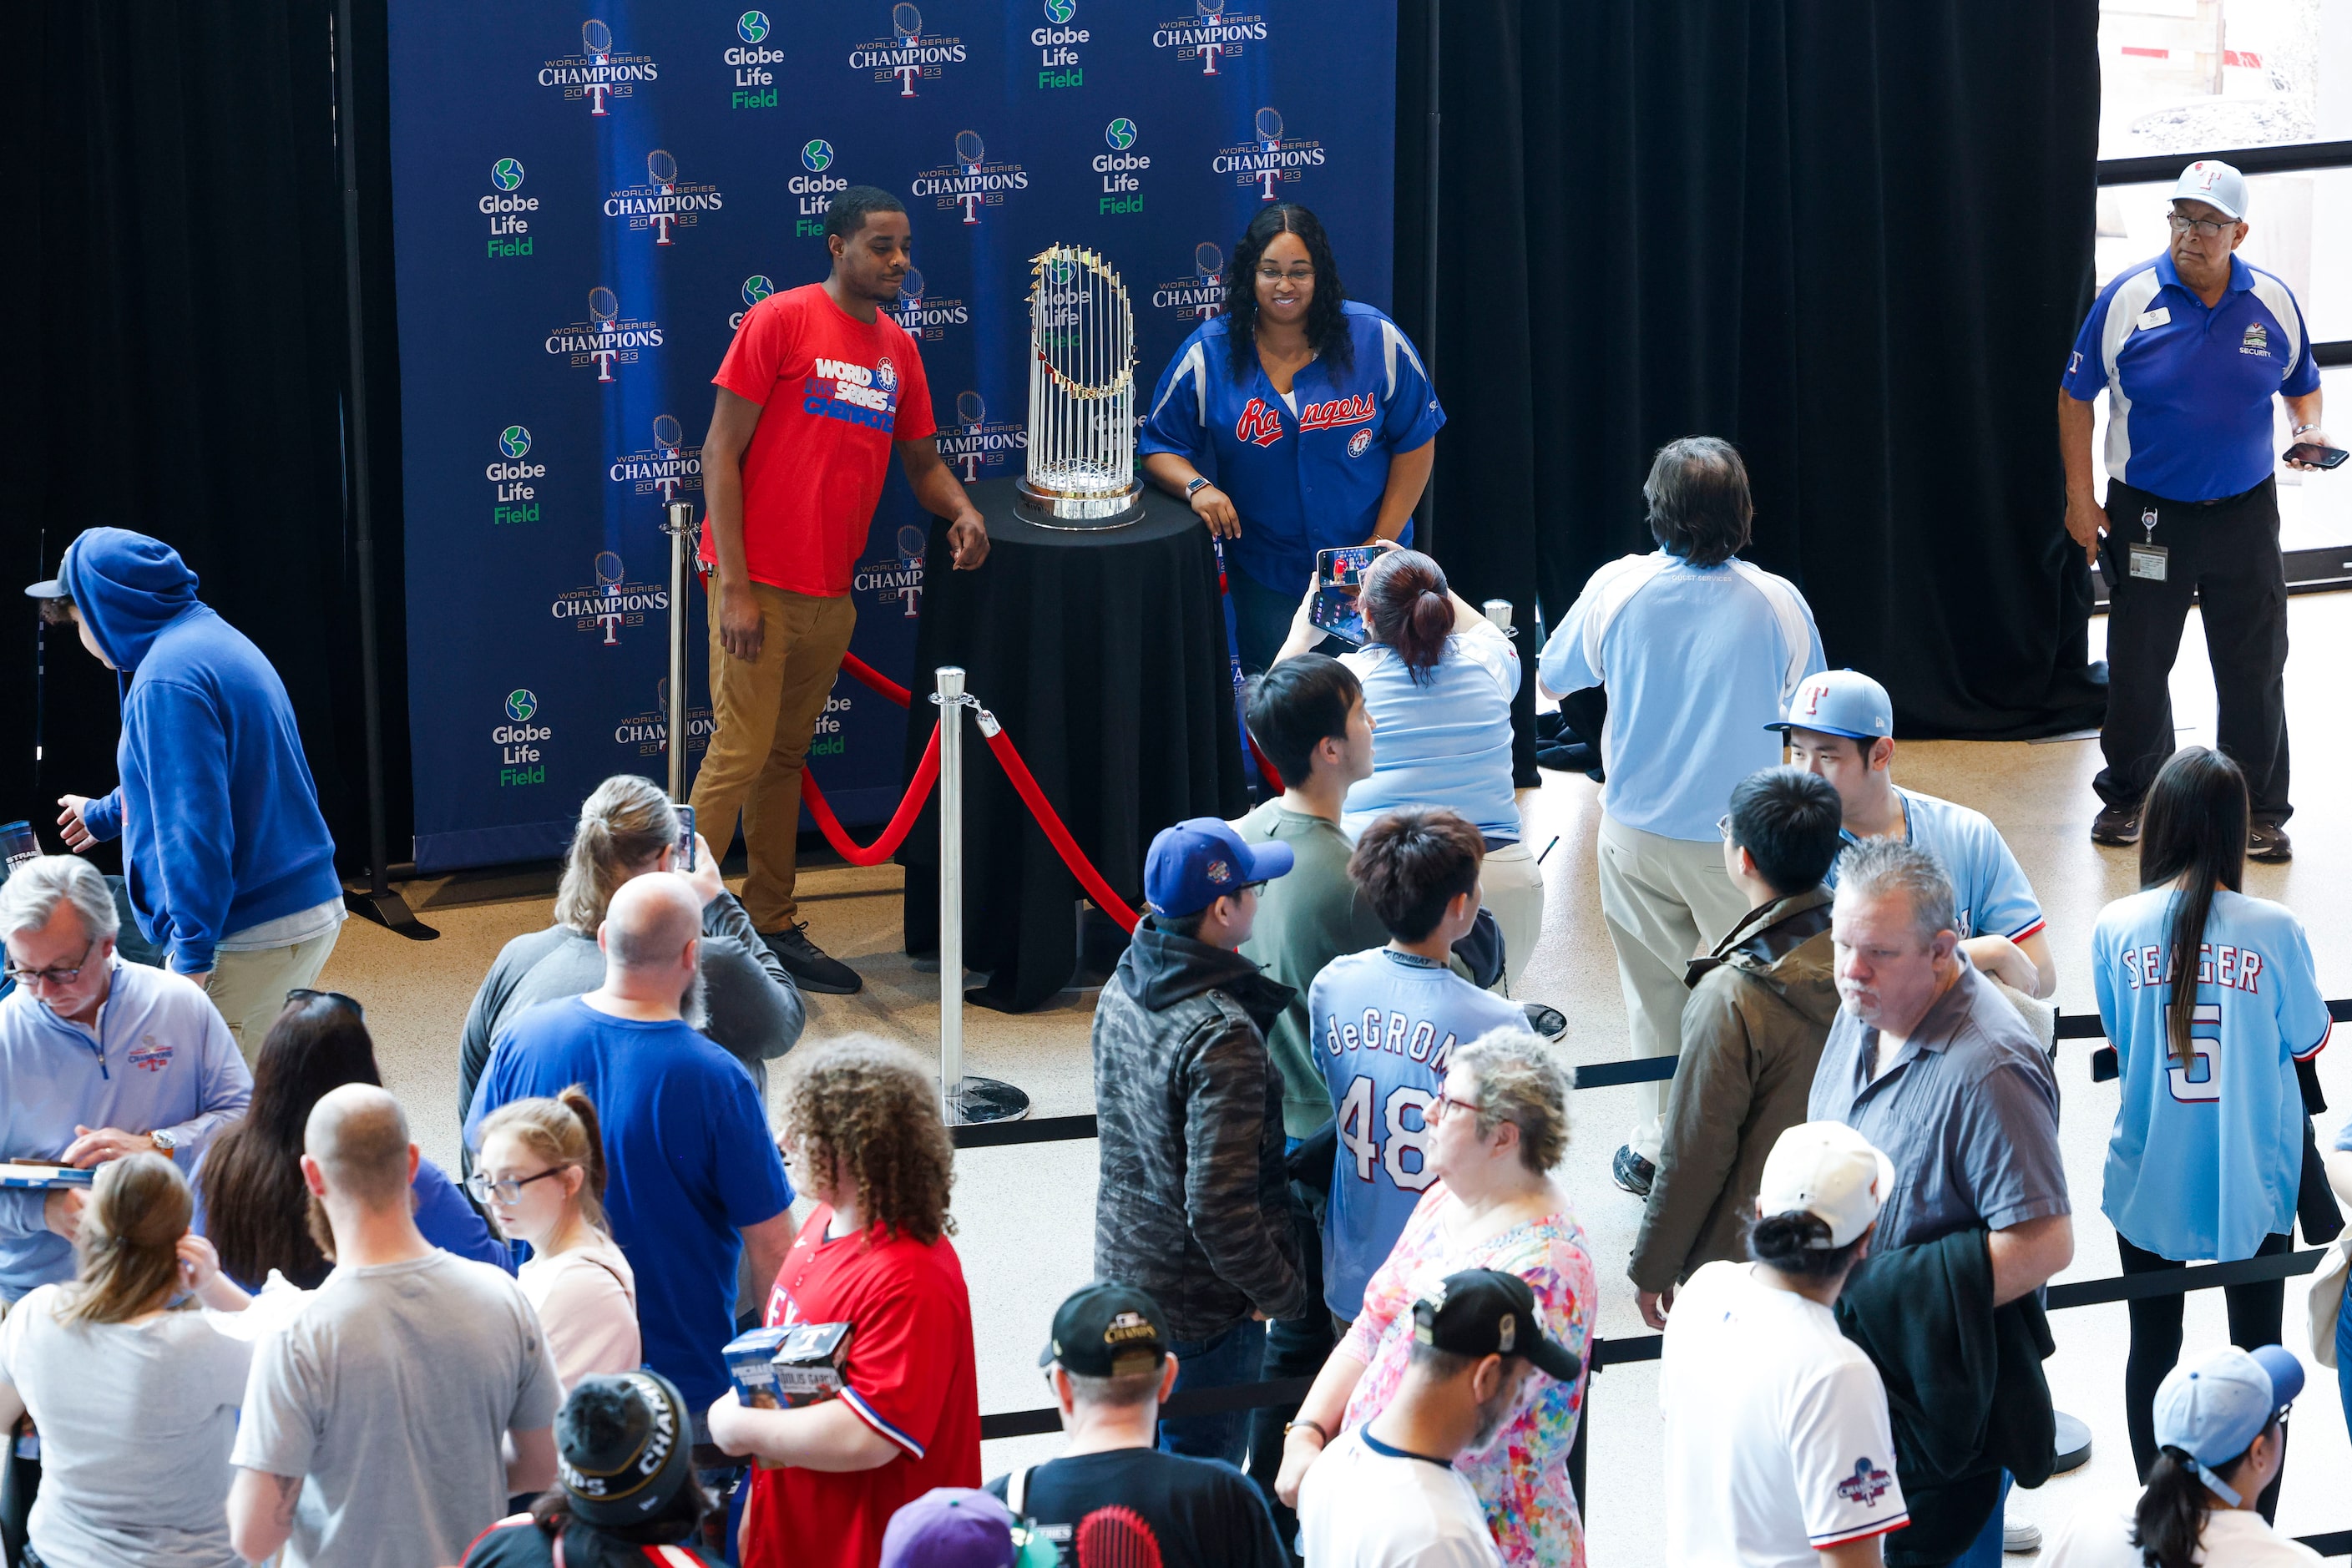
(1200, 482)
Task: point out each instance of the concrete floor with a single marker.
(1026, 1213)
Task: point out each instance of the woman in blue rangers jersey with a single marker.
(1317, 412)
(2207, 1152)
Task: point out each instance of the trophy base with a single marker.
(1110, 509)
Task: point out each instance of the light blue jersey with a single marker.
(2206, 1159)
(1386, 1023)
(1989, 891)
(1697, 660)
(1444, 743)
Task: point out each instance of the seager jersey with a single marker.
(1990, 892)
(2205, 1160)
(1385, 1023)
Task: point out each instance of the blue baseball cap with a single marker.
(1199, 860)
(2213, 1409)
(1840, 702)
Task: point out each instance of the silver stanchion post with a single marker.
(680, 529)
(962, 1100)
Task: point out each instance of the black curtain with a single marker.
(180, 358)
(1854, 239)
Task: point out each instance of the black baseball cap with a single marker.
(1108, 1330)
(1483, 1312)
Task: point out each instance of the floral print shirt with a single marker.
(1521, 1476)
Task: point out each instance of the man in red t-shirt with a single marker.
(817, 388)
(861, 1119)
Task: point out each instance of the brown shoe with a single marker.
(2116, 826)
(2268, 841)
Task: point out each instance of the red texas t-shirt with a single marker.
(909, 1376)
(834, 392)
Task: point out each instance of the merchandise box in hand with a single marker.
(788, 1367)
(39, 1174)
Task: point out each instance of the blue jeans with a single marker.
(1985, 1552)
(1261, 616)
(1228, 1360)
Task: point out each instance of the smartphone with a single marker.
(686, 839)
(2316, 456)
(1339, 577)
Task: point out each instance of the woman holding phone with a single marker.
(1313, 411)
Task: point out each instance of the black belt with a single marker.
(2217, 500)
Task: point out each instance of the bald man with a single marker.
(694, 1181)
(372, 1424)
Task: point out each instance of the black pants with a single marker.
(1295, 1347)
(2255, 1313)
(2227, 555)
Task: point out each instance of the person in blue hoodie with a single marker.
(230, 865)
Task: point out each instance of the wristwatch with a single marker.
(2301, 429)
(1200, 482)
(164, 1142)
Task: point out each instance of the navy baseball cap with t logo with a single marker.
(1201, 859)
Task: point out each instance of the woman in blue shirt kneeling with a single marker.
(2207, 1152)
(1316, 410)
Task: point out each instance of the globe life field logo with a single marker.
(600, 72)
(816, 189)
(756, 287)
(518, 740)
(755, 84)
(1121, 171)
(1273, 158)
(1057, 44)
(907, 54)
(665, 203)
(971, 182)
(509, 228)
(1212, 33)
(517, 495)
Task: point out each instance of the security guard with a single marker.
(2191, 348)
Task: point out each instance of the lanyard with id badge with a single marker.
(2147, 560)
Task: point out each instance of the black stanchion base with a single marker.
(978, 1099)
(389, 910)
(2073, 1443)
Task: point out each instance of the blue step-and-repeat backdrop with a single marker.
(586, 200)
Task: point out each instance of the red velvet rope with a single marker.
(927, 773)
(858, 670)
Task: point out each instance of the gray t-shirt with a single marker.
(390, 1394)
(136, 1421)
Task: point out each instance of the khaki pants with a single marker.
(1510, 883)
(763, 714)
(249, 988)
(1666, 901)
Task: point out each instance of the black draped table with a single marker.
(1104, 654)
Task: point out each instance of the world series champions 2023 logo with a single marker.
(924, 315)
(1272, 159)
(610, 602)
(1210, 35)
(898, 578)
(907, 54)
(1201, 296)
(975, 449)
(663, 203)
(664, 469)
(600, 72)
(606, 338)
(971, 182)
(647, 733)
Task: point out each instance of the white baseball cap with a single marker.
(1829, 1170)
(2214, 182)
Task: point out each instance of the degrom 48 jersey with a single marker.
(2206, 1159)
(1384, 1024)
(1990, 892)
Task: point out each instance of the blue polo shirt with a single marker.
(1306, 473)
(1697, 660)
(2189, 389)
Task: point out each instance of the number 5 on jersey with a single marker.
(2197, 1081)
(1357, 1134)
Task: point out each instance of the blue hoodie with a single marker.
(216, 810)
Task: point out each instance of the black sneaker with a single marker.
(2116, 826)
(1549, 1022)
(1630, 1172)
(2268, 841)
(809, 964)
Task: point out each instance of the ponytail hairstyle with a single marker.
(1326, 312)
(128, 1249)
(624, 825)
(2170, 1515)
(1798, 1244)
(1405, 604)
(564, 1132)
(2195, 823)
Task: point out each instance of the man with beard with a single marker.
(1385, 1494)
(694, 1179)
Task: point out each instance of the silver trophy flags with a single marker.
(1081, 470)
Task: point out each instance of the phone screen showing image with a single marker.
(686, 838)
(1338, 577)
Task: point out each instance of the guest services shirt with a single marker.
(834, 393)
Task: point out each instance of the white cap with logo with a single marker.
(1830, 1171)
(2214, 182)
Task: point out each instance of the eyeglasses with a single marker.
(51, 977)
(302, 993)
(1723, 826)
(1438, 1108)
(2206, 228)
(509, 1190)
(1302, 273)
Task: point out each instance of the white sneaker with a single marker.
(2021, 1538)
